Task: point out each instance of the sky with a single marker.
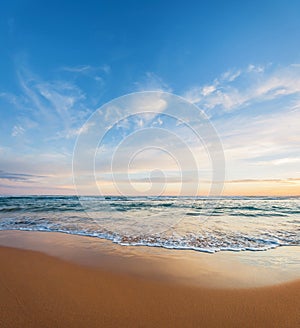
(62, 61)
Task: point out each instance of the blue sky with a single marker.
(239, 61)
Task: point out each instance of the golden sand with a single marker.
(38, 290)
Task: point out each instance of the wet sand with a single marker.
(38, 290)
(183, 267)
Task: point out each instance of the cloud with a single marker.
(17, 131)
(196, 94)
(36, 173)
(93, 72)
(255, 68)
(241, 88)
(73, 132)
(152, 82)
(17, 176)
(287, 180)
(261, 142)
(149, 102)
(272, 134)
(77, 69)
(230, 75)
(87, 68)
(123, 179)
(281, 161)
(57, 107)
(61, 96)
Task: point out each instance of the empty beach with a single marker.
(63, 286)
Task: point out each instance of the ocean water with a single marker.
(196, 223)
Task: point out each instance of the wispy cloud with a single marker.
(17, 131)
(87, 68)
(287, 180)
(77, 69)
(72, 132)
(152, 82)
(97, 73)
(265, 145)
(17, 176)
(177, 179)
(60, 96)
(280, 161)
(240, 88)
(57, 106)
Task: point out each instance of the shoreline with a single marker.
(39, 290)
(185, 267)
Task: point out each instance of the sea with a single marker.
(204, 224)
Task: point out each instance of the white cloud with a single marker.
(255, 84)
(264, 145)
(17, 131)
(61, 96)
(149, 102)
(255, 68)
(57, 106)
(73, 132)
(87, 69)
(208, 89)
(282, 161)
(77, 69)
(152, 82)
(231, 75)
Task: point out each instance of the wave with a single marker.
(244, 243)
(194, 223)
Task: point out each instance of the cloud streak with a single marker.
(152, 82)
(18, 176)
(241, 88)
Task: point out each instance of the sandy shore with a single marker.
(182, 267)
(38, 290)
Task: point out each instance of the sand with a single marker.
(38, 290)
(183, 267)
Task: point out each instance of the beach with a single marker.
(149, 164)
(43, 290)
